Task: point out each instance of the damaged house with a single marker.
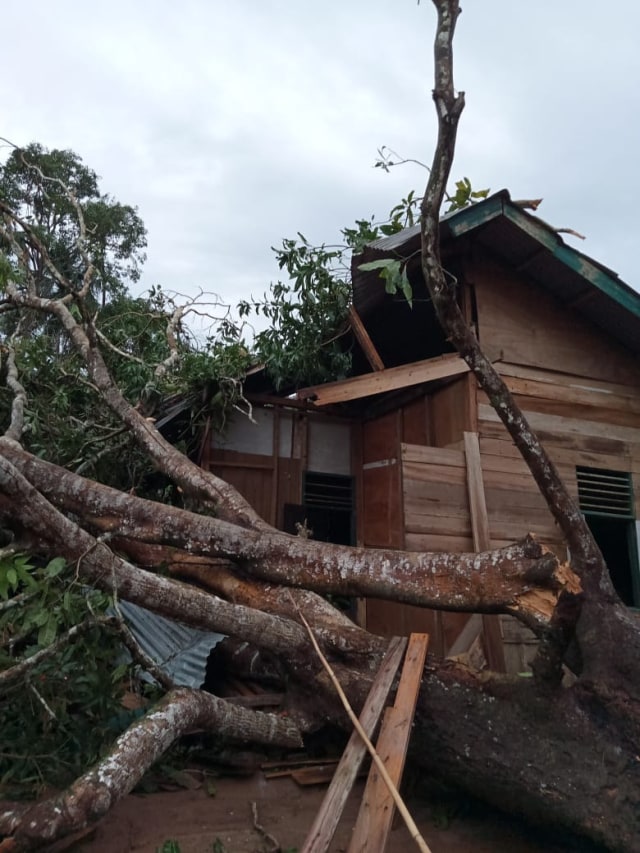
(407, 453)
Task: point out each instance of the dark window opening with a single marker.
(326, 515)
(614, 538)
(606, 499)
(323, 525)
(326, 510)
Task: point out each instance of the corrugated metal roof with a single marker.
(524, 241)
(179, 650)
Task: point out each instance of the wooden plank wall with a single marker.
(380, 507)
(580, 422)
(522, 324)
(436, 501)
(592, 423)
(253, 475)
(272, 477)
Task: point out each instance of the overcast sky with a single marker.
(231, 125)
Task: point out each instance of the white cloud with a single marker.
(232, 125)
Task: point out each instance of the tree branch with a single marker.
(16, 425)
(16, 673)
(97, 564)
(585, 556)
(189, 476)
(505, 580)
(92, 795)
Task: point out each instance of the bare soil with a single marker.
(196, 819)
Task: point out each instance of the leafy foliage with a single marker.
(115, 235)
(308, 314)
(395, 276)
(59, 718)
(464, 196)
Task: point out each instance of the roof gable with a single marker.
(532, 246)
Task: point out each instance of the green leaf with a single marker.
(406, 288)
(40, 617)
(55, 567)
(47, 633)
(169, 846)
(119, 672)
(385, 263)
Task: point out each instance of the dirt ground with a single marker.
(197, 819)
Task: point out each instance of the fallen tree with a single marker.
(560, 755)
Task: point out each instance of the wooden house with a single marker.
(407, 452)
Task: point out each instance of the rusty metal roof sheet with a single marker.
(179, 650)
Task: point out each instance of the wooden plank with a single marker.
(475, 486)
(565, 441)
(432, 542)
(426, 492)
(516, 501)
(415, 421)
(564, 453)
(482, 542)
(580, 395)
(441, 367)
(419, 509)
(505, 464)
(275, 481)
(432, 455)
(560, 424)
(326, 820)
(523, 324)
(567, 409)
(433, 473)
(362, 336)
(376, 811)
(450, 412)
(438, 525)
(567, 379)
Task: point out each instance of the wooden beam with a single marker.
(362, 336)
(373, 824)
(390, 379)
(494, 650)
(326, 821)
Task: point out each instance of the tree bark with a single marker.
(514, 579)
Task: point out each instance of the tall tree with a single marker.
(562, 755)
(42, 187)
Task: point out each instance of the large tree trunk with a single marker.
(565, 755)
